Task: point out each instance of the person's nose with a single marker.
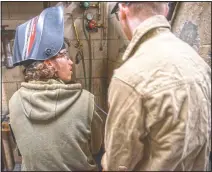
(70, 62)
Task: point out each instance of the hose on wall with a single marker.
(88, 38)
(80, 50)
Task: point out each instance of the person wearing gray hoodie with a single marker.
(54, 123)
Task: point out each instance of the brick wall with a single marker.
(99, 56)
(192, 24)
(15, 13)
(192, 17)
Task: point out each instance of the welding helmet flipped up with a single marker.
(39, 38)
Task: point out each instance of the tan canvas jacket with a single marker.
(159, 104)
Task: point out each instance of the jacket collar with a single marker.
(156, 21)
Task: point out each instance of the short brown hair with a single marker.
(147, 8)
(39, 71)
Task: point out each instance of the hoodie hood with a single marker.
(47, 100)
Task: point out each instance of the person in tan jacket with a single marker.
(54, 121)
(159, 99)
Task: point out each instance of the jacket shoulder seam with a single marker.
(133, 87)
(156, 91)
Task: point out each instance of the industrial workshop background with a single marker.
(95, 42)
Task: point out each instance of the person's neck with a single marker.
(134, 23)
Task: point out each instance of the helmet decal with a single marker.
(40, 38)
(29, 37)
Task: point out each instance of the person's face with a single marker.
(63, 66)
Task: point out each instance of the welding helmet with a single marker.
(39, 38)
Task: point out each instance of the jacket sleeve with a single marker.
(124, 128)
(97, 131)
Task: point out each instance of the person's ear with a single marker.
(50, 63)
(122, 11)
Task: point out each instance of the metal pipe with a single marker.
(100, 26)
(80, 49)
(97, 5)
(94, 5)
(99, 11)
(88, 39)
(102, 30)
(90, 62)
(75, 28)
(84, 27)
(177, 6)
(104, 21)
(103, 27)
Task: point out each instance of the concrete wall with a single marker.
(99, 56)
(15, 13)
(193, 25)
(117, 42)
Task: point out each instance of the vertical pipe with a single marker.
(104, 21)
(88, 38)
(176, 8)
(102, 29)
(80, 47)
(90, 62)
(99, 11)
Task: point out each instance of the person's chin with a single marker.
(68, 80)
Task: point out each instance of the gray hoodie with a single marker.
(55, 126)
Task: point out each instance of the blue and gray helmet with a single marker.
(39, 38)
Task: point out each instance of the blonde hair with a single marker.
(39, 71)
